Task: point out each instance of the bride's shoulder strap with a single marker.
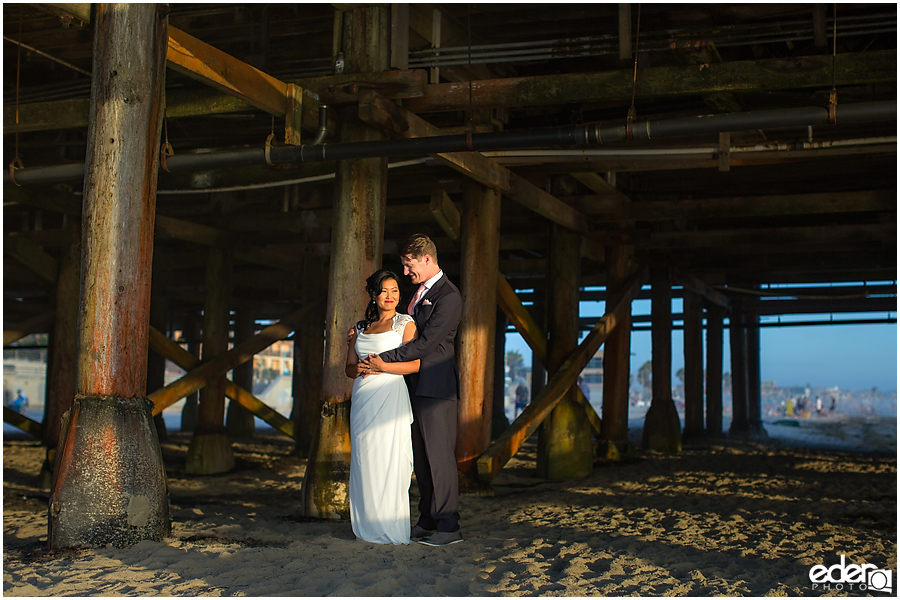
(400, 321)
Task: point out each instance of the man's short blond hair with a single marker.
(418, 245)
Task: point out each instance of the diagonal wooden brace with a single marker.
(218, 366)
(448, 218)
(166, 348)
(511, 440)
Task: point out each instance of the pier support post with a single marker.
(309, 357)
(714, 358)
(480, 241)
(499, 420)
(693, 368)
(754, 377)
(614, 444)
(357, 237)
(240, 422)
(564, 441)
(662, 428)
(109, 484)
(191, 409)
(210, 451)
(740, 424)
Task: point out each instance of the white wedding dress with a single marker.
(381, 460)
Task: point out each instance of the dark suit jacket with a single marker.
(437, 321)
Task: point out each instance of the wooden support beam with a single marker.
(110, 414)
(198, 60)
(448, 217)
(384, 114)
(714, 357)
(743, 206)
(198, 377)
(662, 426)
(808, 72)
(693, 367)
(333, 90)
(526, 423)
(19, 420)
(31, 255)
(564, 448)
(479, 241)
(698, 287)
(165, 347)
(38, 323)
(445, 213)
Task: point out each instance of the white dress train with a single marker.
(381, 460)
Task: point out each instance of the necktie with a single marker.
(419, 293)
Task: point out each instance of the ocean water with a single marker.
(873, 433)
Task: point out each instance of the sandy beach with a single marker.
(726, 518)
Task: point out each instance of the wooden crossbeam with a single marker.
(699, 287)
(536, 340)
(218, 366)
(209, 65)
(32, 256)
(166, 348)
(27, 327)
(611, 209)
(22, 422)
(384, 114)
(813, 72)
(534, 414)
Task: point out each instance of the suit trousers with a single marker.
(434, 460)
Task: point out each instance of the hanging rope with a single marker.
(17, 161)
(632, 112)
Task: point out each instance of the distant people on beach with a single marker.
(521, 398)
(583, 386)
(19, 403)
(819, 406)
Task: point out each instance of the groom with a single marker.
(436, 308)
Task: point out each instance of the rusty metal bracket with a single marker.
(832, 107)
(15, 164)
(164, 151)
(629, 124)
(293, 114)
(268, 149)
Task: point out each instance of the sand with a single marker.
(733, 518)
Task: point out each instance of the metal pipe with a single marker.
(570, 136)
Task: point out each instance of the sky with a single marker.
(852, 357)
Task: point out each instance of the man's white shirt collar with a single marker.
(430, 283)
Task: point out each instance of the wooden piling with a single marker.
(357, 235)
(714, 358)
(61, 372)
(613, 443)
(738, 339)
(240, 422)
(662, 427)
(309, 357)
(210, 449)
(564, 443)
(475, 357)
(754, 376)
(109, 482)
(693, 367)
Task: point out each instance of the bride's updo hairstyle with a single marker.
(373, 287)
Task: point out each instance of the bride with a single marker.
(381, 460)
